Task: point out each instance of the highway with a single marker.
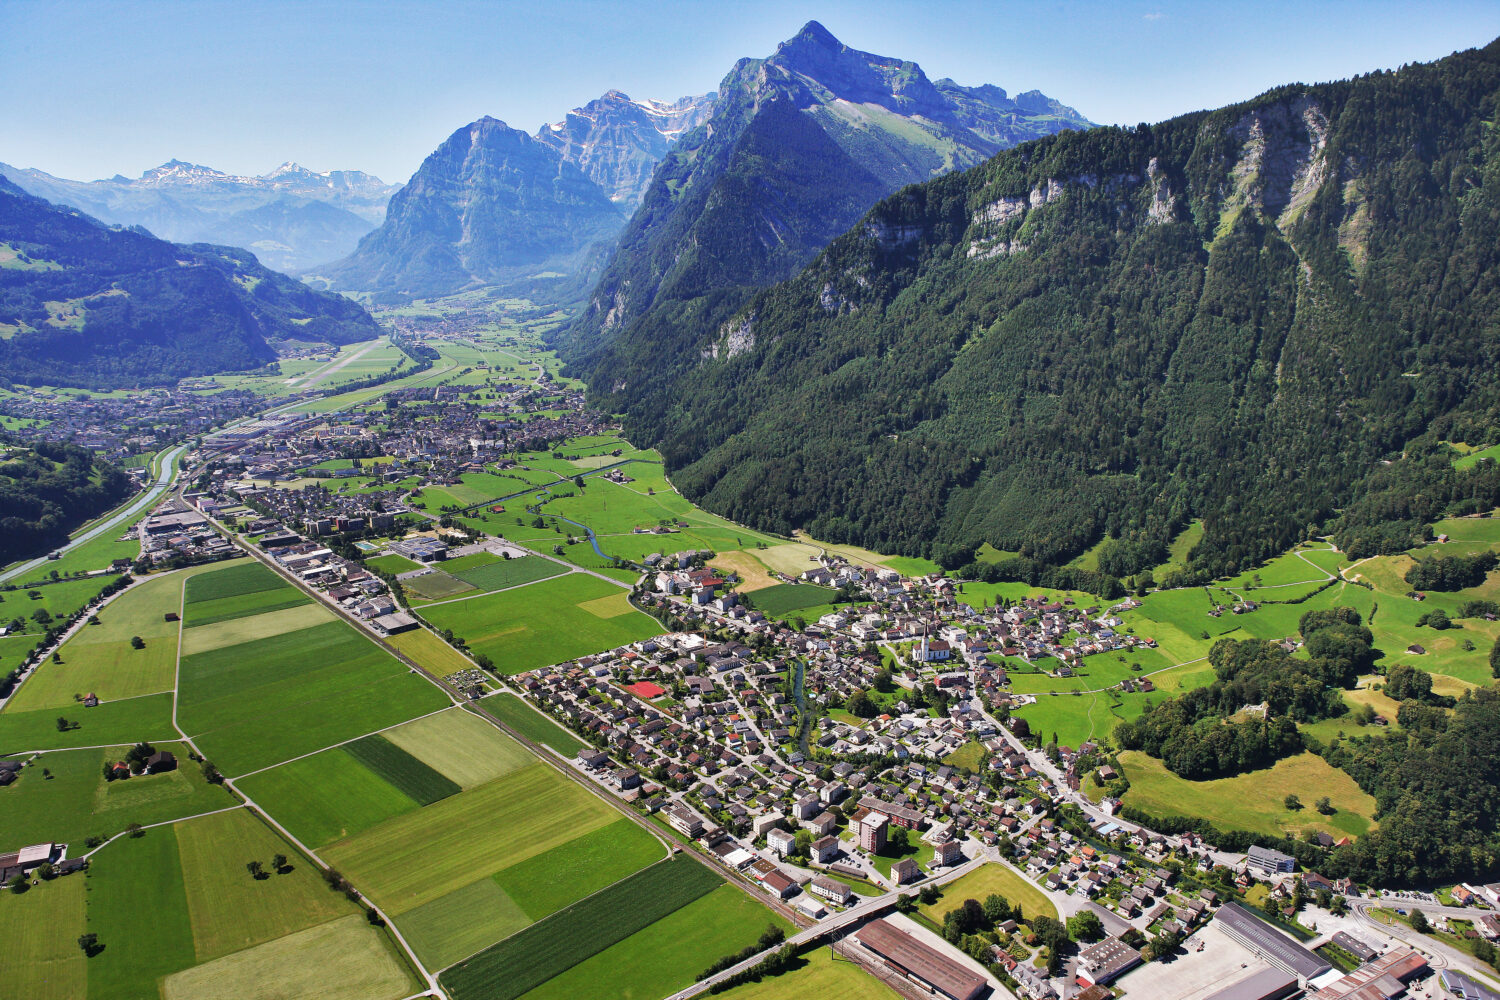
(164, 480)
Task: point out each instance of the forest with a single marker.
(1110, 333)
(48, 490)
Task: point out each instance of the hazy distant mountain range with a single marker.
(290, 218)
(85, 304)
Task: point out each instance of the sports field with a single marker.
(434, 586)
(100, 659)
(1253, 801)
(509, 572)
(418, 856)
(545, 622)
(993, 878)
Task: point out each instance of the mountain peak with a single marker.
(816, 34)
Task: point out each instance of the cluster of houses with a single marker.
(176, 533)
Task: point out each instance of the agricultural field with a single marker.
(988, 879)
(73, 800)
(416, 857)
(1253, 801)
(546, 622)
(570, 936)
(100, 659)
(129, 721)
(41, 960)
(787, 598)
(461, 746)
(326, 797)
(532, 724)
(409, 775)
(428, 649)
(255, 693)
(668, 954)
(548, 882)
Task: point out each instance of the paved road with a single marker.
(163, 482)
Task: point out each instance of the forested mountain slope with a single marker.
(1237, 315)
(799, 146)
(86, 305)
(47, 491)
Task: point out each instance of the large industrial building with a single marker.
(927, 967)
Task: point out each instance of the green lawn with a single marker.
(570, 936)
(545, 622)
(993, 878)
(667, 955)
(968, 757)
(416, 857)
(392, 563)
(532, 724)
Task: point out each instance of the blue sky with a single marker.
(98, 88)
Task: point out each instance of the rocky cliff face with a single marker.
(617, 142)
(291, 218)
(798, 146)
(490, 207)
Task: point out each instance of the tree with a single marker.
(18, 884)
(1495, 659)
(861, 705)
(255, 869)
(1292, 803)
(135, 830)
(279, 863)
(1419, 922)
(1085, 925)
(136, 642)
(45, 871)
(88, 944)
(63, 725)
(1339, 906)
(1325, 807)
(929, 894)
(41, 616)
(996, 909)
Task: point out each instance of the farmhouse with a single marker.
(923, 965)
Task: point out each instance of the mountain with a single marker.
(87, 305)
(798, 147)
(617, 142)
(1259, 316)
(492, 206)
(291, 217)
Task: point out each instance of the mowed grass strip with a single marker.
(551, 946)
(509, 572)
(417, 857)
(240, 630)
(239, 578)
(532, 724)
(457, 925)
(40, 927)
(567, 873)
(401, 769)
(231, 910)
(344, 959)
(462, 746)
(326, 797)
